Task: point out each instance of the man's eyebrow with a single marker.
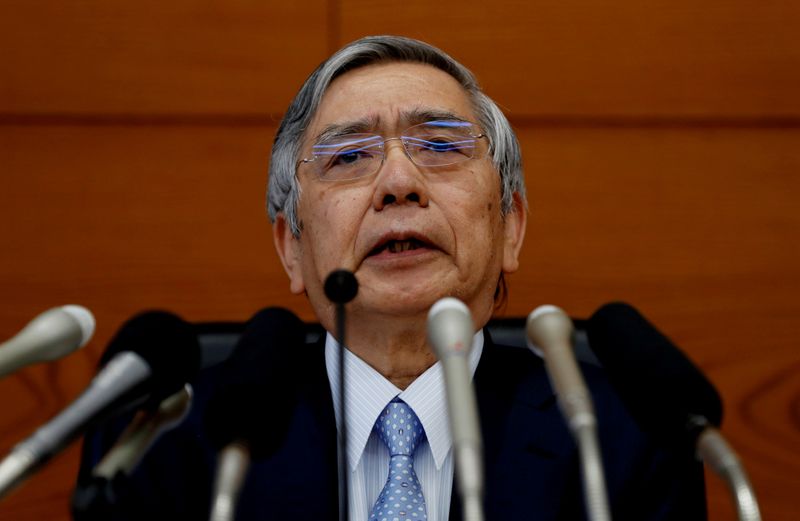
(421, 115)
(360, 126)
(370, 123)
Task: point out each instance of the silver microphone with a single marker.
(450, 332)
(550, 333)
(141, 433)
(232, 465)
(152, 356)
(55, 333)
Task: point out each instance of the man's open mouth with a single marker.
(398, 246)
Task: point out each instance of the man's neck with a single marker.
(397, 349)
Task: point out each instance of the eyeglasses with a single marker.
(430, 144)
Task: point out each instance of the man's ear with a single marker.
(290, 251)
(515, 222)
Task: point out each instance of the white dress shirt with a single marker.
(368, 393)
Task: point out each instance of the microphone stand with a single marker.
(341, 287)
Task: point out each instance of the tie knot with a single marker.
(399, 428)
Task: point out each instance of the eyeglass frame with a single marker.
(401, 138)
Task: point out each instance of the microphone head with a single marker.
(84, 319)
(450, 328)
(168, 345)
(174, 408)
(663, 390)
(51, 335)
(341, 286)
(255, 397)
(546, 326)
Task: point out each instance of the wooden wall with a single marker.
(662, 152)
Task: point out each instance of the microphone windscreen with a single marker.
(255, 397)
(663, 390)
(341, 286)
(168, 345)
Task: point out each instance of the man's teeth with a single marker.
(401, 246)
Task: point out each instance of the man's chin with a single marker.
(398, 302)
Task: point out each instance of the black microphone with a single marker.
(664, 391)
(150, 358)
(260, 368)
(341, 287)
(667, 395)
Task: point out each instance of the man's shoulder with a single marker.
(527, 437)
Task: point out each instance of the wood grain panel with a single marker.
(697, 227)
(137, 214)
(178, 57)
(578, 58)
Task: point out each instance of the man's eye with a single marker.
(348, 157)
(440, 145)
(448, 144)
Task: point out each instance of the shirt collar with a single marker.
(368, 393)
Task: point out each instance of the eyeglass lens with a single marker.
(434, 143)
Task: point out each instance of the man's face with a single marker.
(410, 234)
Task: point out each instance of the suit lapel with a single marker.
(305, 466)
(320, 403)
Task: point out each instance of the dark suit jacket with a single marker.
(531, 461)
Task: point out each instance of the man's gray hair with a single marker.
(284, 191)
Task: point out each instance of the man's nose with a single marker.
(400, 181)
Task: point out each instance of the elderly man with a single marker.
(392, 163)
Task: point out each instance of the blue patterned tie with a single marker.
(401, 498)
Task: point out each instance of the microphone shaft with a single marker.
(592, 469)
(576, 404)
(232, 466)
(14, 468)
(573, 396)
(344, 485)
(714, 450)
(465, 430)
(122, 373)
(551, 330)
